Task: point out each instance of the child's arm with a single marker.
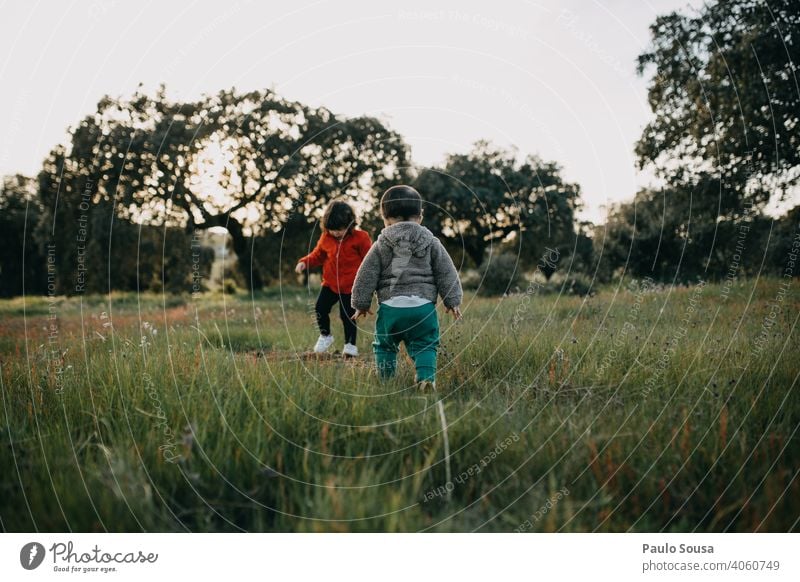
(313, 259)
(366, 282)
(446, 276)
(364, 245)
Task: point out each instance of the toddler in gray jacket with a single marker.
(409, 269)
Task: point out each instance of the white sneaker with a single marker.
(350, 350)
(323, 343)
(426, 385)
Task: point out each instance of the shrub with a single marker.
(570, 284)
(499, 275)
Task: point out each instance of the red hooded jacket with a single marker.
(340, 260)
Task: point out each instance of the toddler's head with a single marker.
(338, 219)
(401, 203)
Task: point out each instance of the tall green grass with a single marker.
(181, 414)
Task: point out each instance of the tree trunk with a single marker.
(243, 247)
(475, 252)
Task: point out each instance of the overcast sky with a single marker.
(551, 77)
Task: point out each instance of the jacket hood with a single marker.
(408, 236)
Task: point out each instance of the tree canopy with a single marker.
(250, 162)
(488, 197)
(726, 102)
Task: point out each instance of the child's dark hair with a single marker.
(401, 202)
(339, 215)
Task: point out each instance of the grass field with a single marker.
(638, 409)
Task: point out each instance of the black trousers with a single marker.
(325, 302)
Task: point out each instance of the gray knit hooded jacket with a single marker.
(406, 260)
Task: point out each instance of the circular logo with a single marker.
(31, 555)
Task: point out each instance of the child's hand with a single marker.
(455, 311)
(300, 267)
(360, 313)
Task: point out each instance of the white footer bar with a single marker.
(401, 557)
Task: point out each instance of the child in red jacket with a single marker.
(340, 250)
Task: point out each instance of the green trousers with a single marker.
(418, 327)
